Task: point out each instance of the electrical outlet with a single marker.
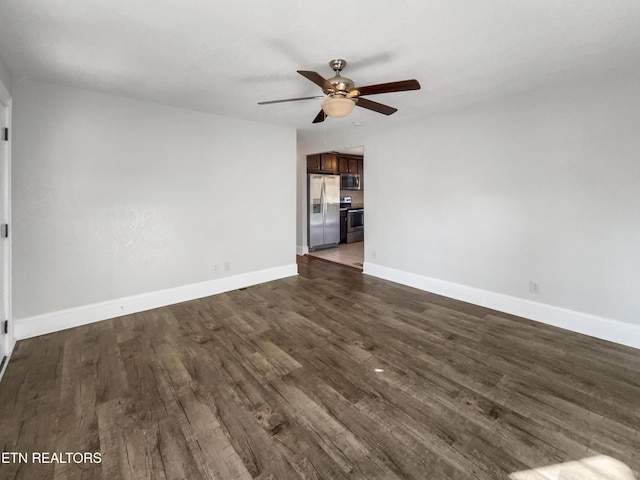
(227, 266)
(216, 268)
(534, 287)
(374, 255)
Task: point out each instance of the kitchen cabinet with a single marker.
(336, 164)
(343, 165)
(322, 163)
(350, 164)
(313, 163)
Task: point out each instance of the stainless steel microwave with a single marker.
(350, 181)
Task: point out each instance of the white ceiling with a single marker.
(224, 57)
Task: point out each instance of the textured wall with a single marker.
(540, 186)
(114, 197)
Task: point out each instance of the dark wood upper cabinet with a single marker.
(329, 163)
(334, 163)
(353, 165)
(313, 163)
(322, 163)
(350, 164)
(343, 165)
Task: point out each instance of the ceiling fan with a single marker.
(341, 94)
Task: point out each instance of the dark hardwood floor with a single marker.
(328, 375)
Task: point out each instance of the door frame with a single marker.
(5, 217)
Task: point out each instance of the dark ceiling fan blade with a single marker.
(316, 78)
(320, 117)
(401, 86)
(375, 106)
(290, 100)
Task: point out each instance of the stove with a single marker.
(351, 222)
(345, 202)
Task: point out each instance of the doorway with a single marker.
(348, 163)
(5, 198)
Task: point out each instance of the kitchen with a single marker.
(336, 206)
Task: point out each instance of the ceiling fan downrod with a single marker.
(337, 65)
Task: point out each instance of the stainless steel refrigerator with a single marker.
(324, 211)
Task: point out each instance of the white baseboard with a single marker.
(604, 328)
(75, 317)
(302, 250)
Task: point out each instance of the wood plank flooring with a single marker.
(328, 375)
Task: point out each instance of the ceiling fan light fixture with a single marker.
(338, 106)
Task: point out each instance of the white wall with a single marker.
(114, 198)
(301, 195)
(541, 186)
(5, 77)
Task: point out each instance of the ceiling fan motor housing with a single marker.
(342, 85)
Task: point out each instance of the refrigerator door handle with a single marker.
(323, 202)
